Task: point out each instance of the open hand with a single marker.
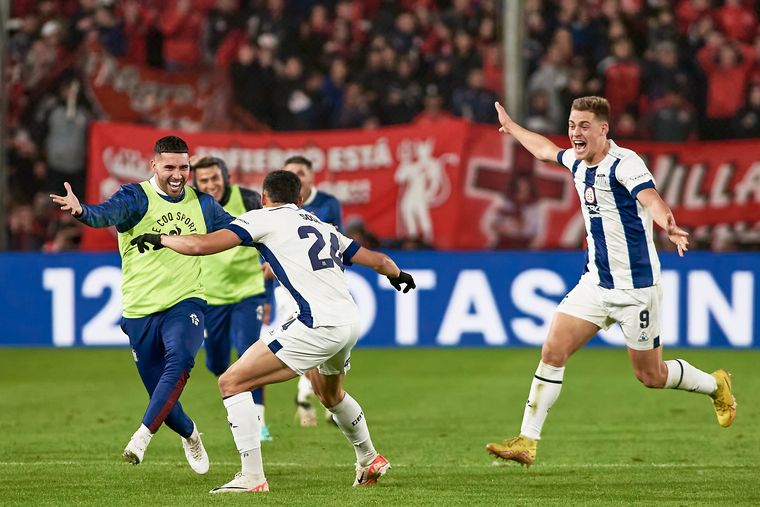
(678, 236)
(504, 118)
(144, 240)
(68, 202)
(403, 278)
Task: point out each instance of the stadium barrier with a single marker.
(473, 299)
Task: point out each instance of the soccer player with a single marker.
(162, 294)
(327, 208)
(620, 282)
(308, 257)
(233, 280)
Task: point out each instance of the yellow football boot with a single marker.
(520, 449)
(723, 401)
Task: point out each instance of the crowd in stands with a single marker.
(672, 71)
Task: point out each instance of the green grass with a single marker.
(65, 416)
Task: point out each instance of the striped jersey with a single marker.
(308, 258)
(621, 252)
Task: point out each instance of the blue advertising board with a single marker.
(473, 299)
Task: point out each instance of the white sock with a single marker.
(144, 432)
(350, 419)
(246, 430)
(544, 391)
(304, 389)
(260, 410)
(682, 375)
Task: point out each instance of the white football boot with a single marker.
(195, 452)
(242, 484)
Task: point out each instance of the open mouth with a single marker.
(175, 186)
(579, 145)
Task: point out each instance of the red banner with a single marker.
(134, 93)
(452, 183)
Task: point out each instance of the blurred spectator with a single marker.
(403, 98)
(537, 118)
(219, 23)
(625, 126)
(253, 82)
(672, 119)
(65, 234)
(475, 102)
(737, 21)
(357, 230)
(747, 121)
(662, 73)
(465, 58)
(433, 109)
(181, 27)
(66, 124)
(26, 173)
(354, 111)
(138, 24)
(551, 77)
(292, 104)
(110, 31)
(726, 66)
(622, 75)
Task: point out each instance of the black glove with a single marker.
(144, 240)
(401, 279)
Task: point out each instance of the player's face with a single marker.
(211, 181)
(172, 171)
(304, 174)
(588, 135)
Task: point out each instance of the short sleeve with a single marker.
(348, 246)
(633, 174)
(565, 158)
(248, 227)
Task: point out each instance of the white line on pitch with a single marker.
(395, 465)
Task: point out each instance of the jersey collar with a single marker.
(164, 195)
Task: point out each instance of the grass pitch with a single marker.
(66, 415)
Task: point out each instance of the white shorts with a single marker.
(636, 310)
(302, 348)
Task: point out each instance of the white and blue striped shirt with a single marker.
(621, 252)
(308, 258)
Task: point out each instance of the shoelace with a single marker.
(195, 448)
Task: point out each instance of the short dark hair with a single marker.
(597, 105)
(298, 159)
(282, 186)
(170, 144)
(206, 162)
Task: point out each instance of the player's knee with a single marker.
(227, 384)
(553, 356)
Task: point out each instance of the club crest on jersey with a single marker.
(589, 195)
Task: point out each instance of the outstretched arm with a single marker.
(192, 244)
(385, 266)
(541, 147)
(663, 216)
